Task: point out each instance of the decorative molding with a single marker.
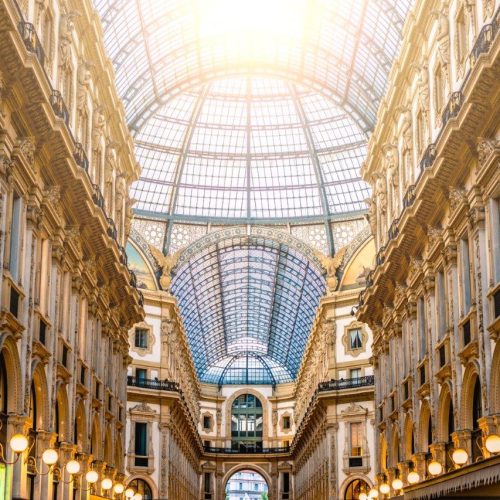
(364, 338)
(151, 339)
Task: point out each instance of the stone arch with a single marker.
(147, 479)
(258, 232)
(395, 450)
(108, 446)
(118, 452)
(80, 438)
(265, 416)
(42, 396)
(471, 374)
(408, 437)
(95, 438)
(13, 372)
(445, 405)
(349, 479)
(495, 380)
(425, 421)
(63, 411)
(383, 453)
(254, 468)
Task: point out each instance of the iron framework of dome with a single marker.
(232, 134)
(255, 337)
(240, 127)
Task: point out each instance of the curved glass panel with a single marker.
(250, 148)
(247, 304)
(160, 49)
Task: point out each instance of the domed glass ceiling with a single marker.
(250, 148)
(248, 111)
(248, 304)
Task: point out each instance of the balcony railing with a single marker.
(147, 383)
(31, 41)
(349, 383)
(409, 197)
(97, 196)
(245, 450)
(80, 157)
(60, 109)
(485, 39)
(112, 232)
(429, 157)
(452, 108)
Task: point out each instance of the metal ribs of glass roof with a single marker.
(281, 138)
(277, 152)
(248, 305)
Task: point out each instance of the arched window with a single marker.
(3, 401)
(246, 422)
(140, 486)
(33, 413)
(355, 488)
(477, 413)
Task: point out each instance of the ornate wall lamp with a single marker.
(18, 444)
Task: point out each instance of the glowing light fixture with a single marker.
(384, 488)
(106, 483)
(413, 477)
(435, 468)
(91, 476)
(18, 443)
(129, 493)
(363, 496)
(373, 493)
(137, 496)
(73, 467)
(118, 488)
(460, 456)
(397, 484)
(50, 456)
(492, 443)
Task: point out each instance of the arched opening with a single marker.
(355, 488)
(80, 428)
(33, 414)
(108, 447)
(395, 455)
(477, 412)
(246, 484)
(3, 413)
(246, 423)
(425, 428)
(142, 487)
(95, 440)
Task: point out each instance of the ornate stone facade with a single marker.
(432, 300)
(67, 297)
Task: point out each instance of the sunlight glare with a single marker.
(252, 25)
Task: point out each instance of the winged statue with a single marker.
(166, 264)
(331, 265)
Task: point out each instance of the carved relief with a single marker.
(331, 265)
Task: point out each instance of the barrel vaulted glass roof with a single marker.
(251, 110)
(248, 304)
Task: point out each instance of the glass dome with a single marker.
(250, 148)
(251, 111)
(248, 304)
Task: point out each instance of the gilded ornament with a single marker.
(166, 263)
(331, 265)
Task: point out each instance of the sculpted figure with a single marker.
(166, 264)
(331, 264)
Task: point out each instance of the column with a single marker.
(164, 427)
